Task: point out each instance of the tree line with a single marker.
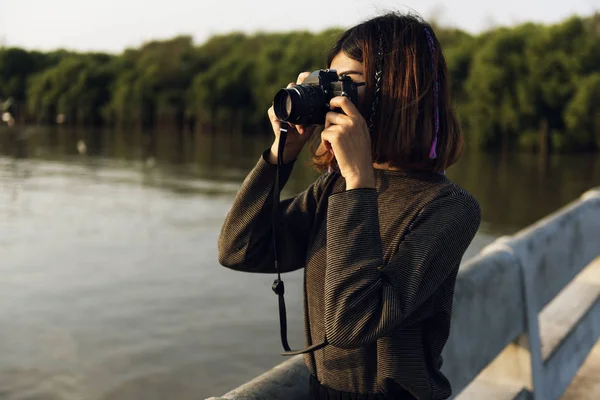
(532, 86)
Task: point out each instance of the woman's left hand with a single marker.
(349, 139)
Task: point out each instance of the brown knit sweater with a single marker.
(380, 268)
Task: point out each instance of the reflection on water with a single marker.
(514, 189)
(110, 285)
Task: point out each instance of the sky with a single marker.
(113, 25)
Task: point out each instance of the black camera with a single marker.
(307, 104)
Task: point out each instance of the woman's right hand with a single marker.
(297, 135)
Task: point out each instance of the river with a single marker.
(110, 286)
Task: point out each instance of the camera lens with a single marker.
(288, 105)
(284, 104)
(301, 105)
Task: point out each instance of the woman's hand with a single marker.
(349, 139)
(297, 135)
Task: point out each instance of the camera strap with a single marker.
(278, 287)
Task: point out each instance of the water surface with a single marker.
(110, 284)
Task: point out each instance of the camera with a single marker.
(308, 103)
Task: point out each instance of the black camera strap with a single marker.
(278, 283)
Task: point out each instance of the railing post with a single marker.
(533, 330)
(532, 325)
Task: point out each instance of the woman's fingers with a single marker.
(346, 105)
(276, 123)
(302, 77)
(330, 136)
(335, 118)
(271, 114)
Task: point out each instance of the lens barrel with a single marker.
(285, 104)
(300, 105)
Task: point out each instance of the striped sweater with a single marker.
(379, 270)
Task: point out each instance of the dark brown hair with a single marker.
(404, 122)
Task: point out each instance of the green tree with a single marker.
(531, 86)
(493, 112)
(77, 87)
(553, 58)
(582, 116)
(151, 83)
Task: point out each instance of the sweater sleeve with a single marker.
(366, 300)
(245, 242)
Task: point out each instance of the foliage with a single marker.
(513, 87)
(76, 87)
(582, 115)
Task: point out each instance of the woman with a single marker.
(382, 233)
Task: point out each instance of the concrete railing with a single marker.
(526, 313)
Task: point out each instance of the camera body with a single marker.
(308, 103)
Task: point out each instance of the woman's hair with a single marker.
(414, 125)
